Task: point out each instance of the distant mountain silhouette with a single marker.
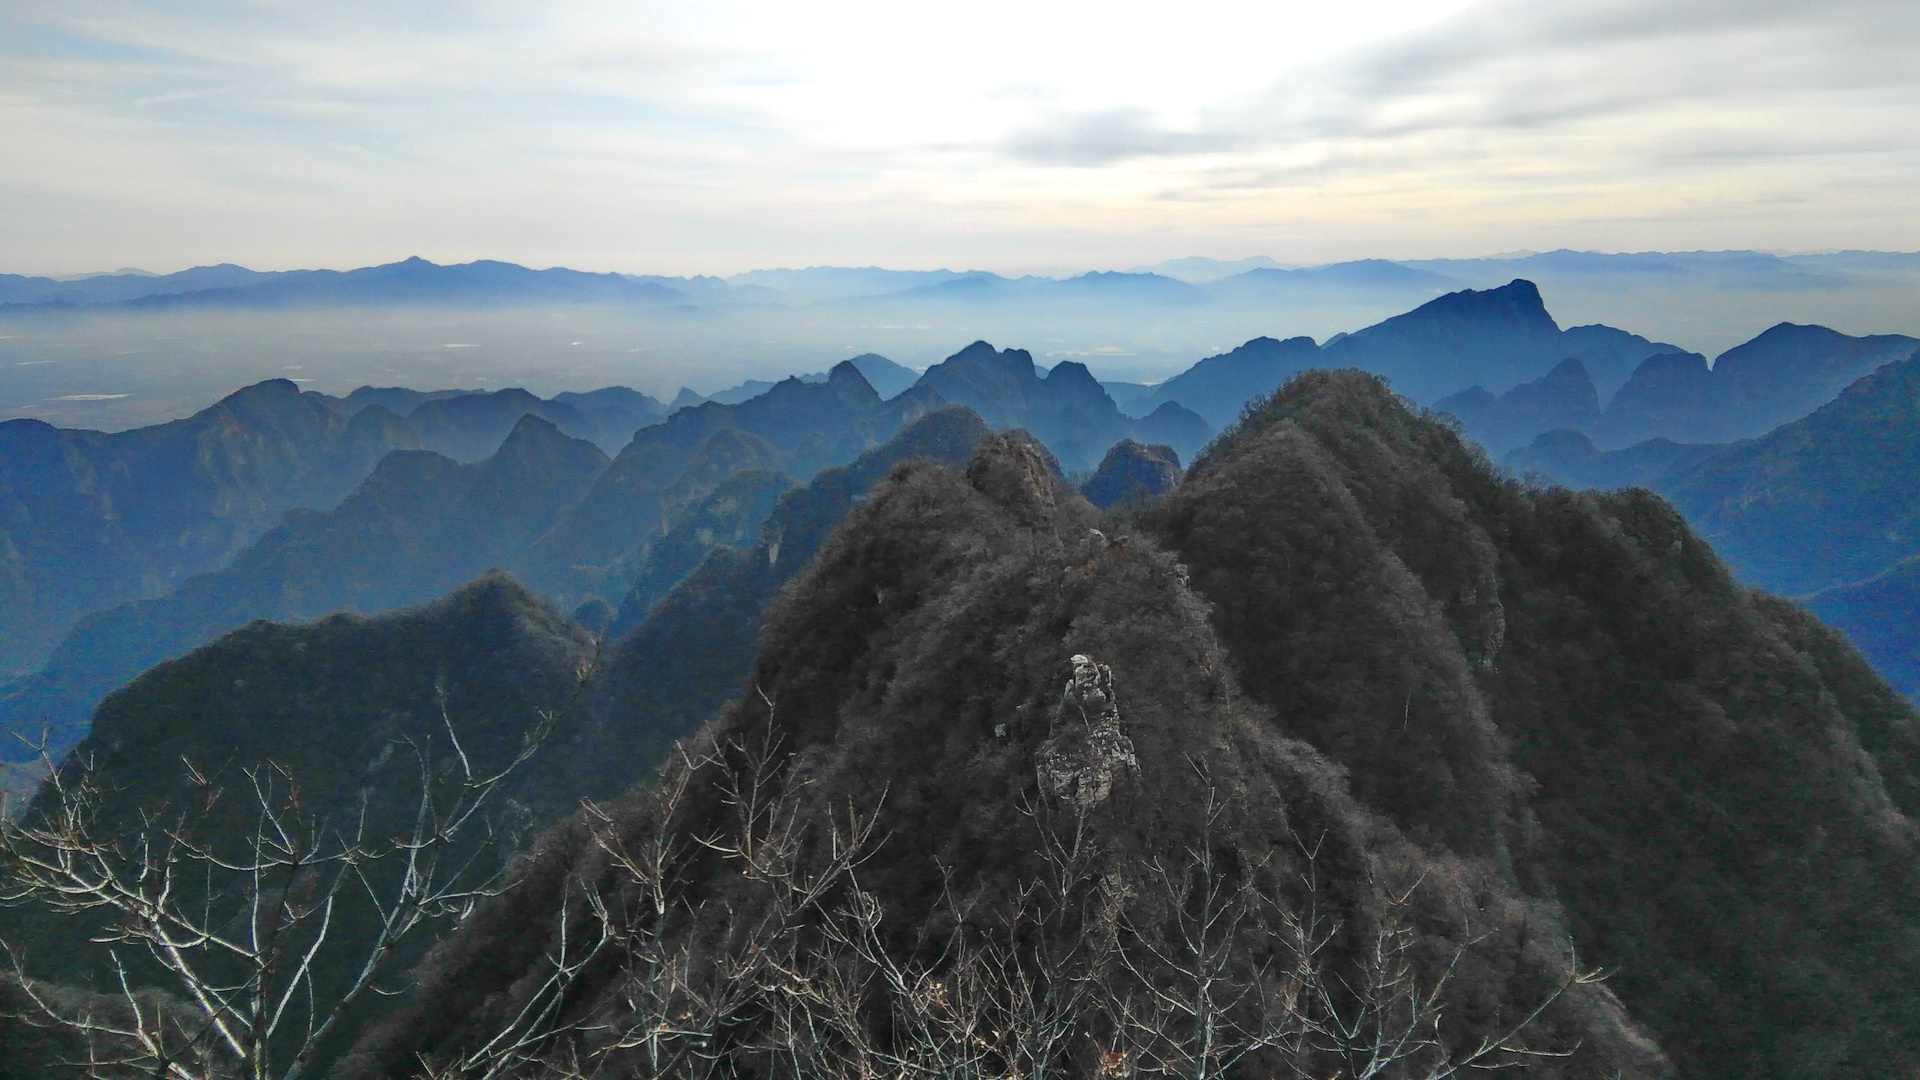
(1496, 338)
(1364, 275)
(412, 281)
(1780, 376)
(1218, 387)
(1068, 409)
(1569, 457)
(417, 527)
(88, 520)
(1132, 474)
(1822, 501)
(398, 400)
(886, 377)
(1562, 398)
(807, 425)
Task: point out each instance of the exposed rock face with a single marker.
(1133, 474)
(1088, 749)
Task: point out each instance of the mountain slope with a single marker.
(1783, 374)
(1218, 387)
(914, 674)
(1068, 409)
(334, 706)
(694, 647)
(1822, 501)
(1563, 398)
(417, 527)
(88, 520)
(1877, 615)
(1496, 338)
(807, 426)
(1573, 686)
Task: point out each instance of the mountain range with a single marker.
(89, 520)
(151, 508)
(1521, 729)
(1537, 728)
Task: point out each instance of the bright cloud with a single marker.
(740, 133)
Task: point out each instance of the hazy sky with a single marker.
(729, 134)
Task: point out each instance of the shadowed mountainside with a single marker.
(1132, 475)
(1822, 501)
(1571, 685)
(1068, 410)
(88, 519)
(336, 706)
(914, 673)
(419, 526)
(1783, 374)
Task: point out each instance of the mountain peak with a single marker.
(846, 373)
(1570, 368)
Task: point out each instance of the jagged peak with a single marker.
(1072, 371)
(1014, 470)
(1570, 368)
(1517, 301)
(846, 371)
(981, 352)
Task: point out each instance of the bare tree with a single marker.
(238, 902)
(1188, 965)
(806, 977)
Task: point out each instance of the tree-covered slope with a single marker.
(356, 715)
(419, 526)
(1572, 687)
(1822, 501)
(1072, 857)
(88, 519)
(692, 649)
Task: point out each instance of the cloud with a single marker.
(738, 133)
(1535, 67)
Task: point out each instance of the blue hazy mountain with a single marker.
(1218, 387)
(89, 519)
(1781, 375)
(414, 281)
(418, 526)
(1570, 457)
(1067, 409)
(1563, 398)
(1823, 501)
(1881, 615)
(886, 377)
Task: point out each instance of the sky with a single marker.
(1022, 136)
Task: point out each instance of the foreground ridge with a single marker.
(906, 847)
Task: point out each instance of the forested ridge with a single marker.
(1343, 753)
